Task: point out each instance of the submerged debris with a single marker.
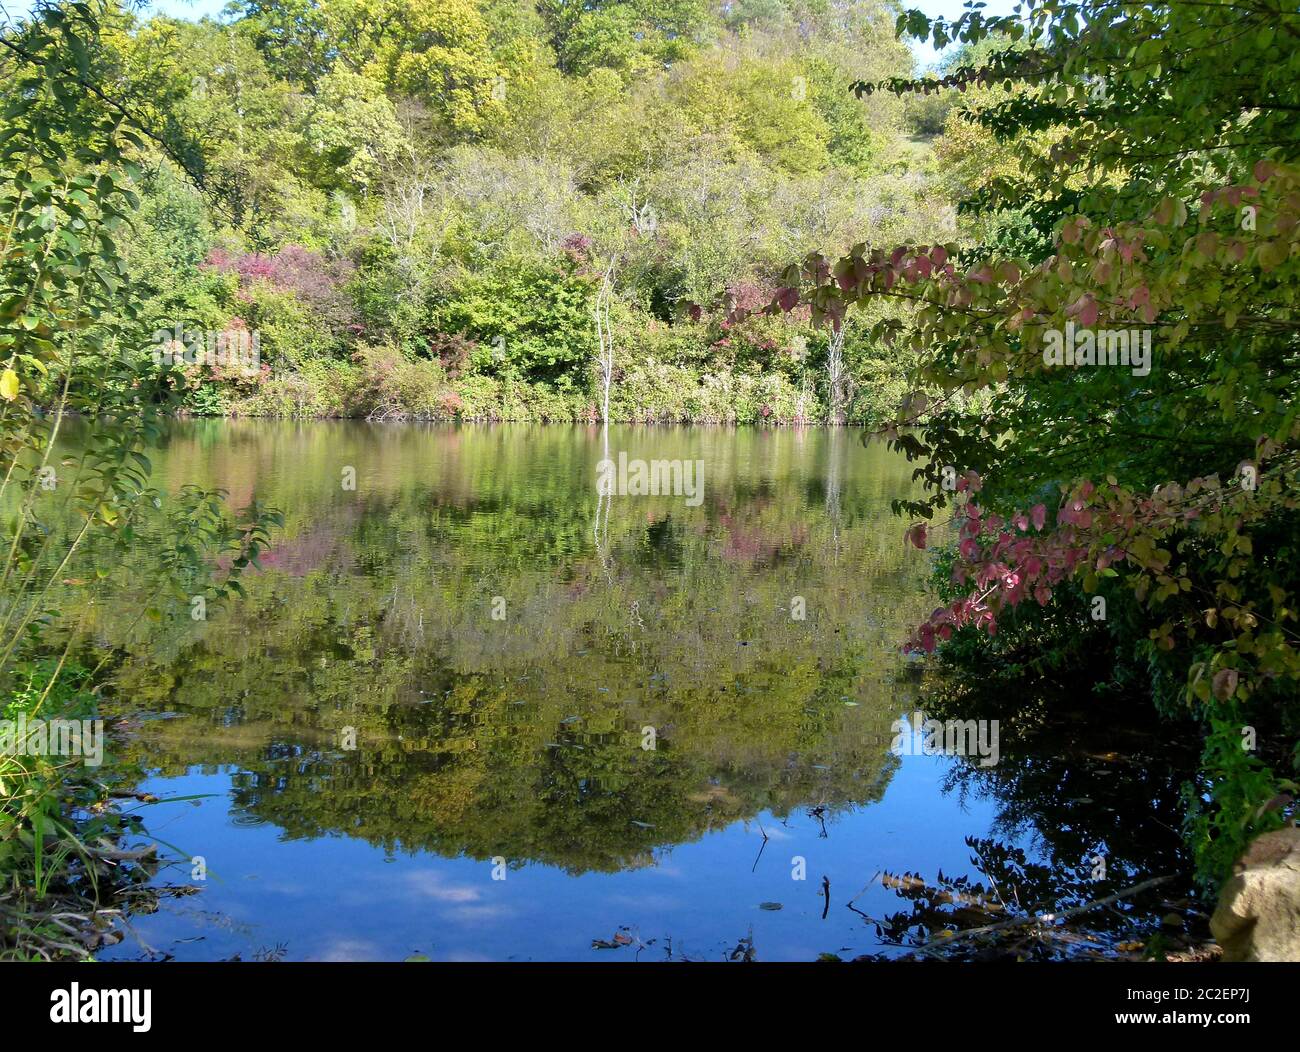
(1029, 911)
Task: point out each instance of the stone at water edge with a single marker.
(1258, 916)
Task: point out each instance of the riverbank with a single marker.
(68, 879)
(385, 385)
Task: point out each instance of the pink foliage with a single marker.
(1003, 563)
(318, 282)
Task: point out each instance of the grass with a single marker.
(64, 878)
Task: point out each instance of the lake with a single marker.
(474, 708)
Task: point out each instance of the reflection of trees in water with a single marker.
(531, 751)
(604, 503)
(1081, 797)
(1082, 786)
(542, 765)
(834, 467)
(523, 738)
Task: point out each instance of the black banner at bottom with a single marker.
(213, 1001)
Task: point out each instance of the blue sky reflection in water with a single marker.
(336, 898)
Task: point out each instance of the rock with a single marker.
(1258, 916)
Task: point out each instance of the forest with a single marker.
(415, 207)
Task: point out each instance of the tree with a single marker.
(837, 377)
(621, 34)
(351, 133)
(438, 52)
(605, 336)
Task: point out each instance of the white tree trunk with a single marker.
(836, 376)
(605, 336)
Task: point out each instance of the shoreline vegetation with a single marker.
(418, 392)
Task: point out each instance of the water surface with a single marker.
(470, 710)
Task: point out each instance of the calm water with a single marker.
(450, 674)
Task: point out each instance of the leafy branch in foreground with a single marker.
(66, 316)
